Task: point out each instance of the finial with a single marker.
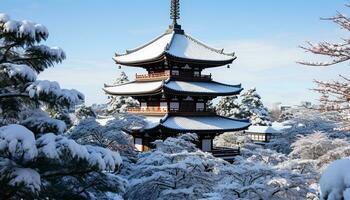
(175, 11)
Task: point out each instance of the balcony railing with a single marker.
(148, 111)
(165, 75)
(153, 76)
(163, 111)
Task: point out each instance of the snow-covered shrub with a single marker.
(232, 139)
(174, 170)
(253, 180)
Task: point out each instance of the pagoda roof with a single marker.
(196, 124)
(210, 88)
(175, 45)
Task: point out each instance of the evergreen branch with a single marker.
(11, 95)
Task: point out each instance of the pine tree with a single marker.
(228, 107)
(120, 104)
(36, 161)
(252, 108)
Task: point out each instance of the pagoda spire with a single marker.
(175, 11)
(175, 15)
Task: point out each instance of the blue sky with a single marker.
(265, 34)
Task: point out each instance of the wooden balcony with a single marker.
(157, 111)
(227, 154)
(165, 75)
(153, 76)
(151, 111)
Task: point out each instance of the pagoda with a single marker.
(174, 93)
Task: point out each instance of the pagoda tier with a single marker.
(174, 49)
(210, 124)
(174, 87)
(206, 127)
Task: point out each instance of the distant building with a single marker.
(262, 134)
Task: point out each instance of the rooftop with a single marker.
(210, 88)
(174, 45)
(195, 124)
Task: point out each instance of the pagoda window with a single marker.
(143, 105)
(164, 106)
(206, 145)
(200, 106)
(196, 74)
(138, 144)
(174, 106)
(175, 72)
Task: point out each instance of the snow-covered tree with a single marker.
(320, 148)
(232, 139)
(334, 94)
(176, 169)
(253, 180)
(252, 108)
(305, 122)
(120, 104)
(228, 107)
(22, 57)
(36, 161)
(248, 106)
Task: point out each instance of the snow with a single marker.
(57, 147)
(136, 88)
(178, 45)
(23, 28)
(104, 158)
(203, 87)
(335, 181)
(262, 129)
(53, 147)
(104, 121)
(11, 26)
(184, 46)
(4, 18)
(203, 123)
(43, 87)
(55, 52)
(152, 122)
(22, 71)
(18, 141)
(29, 177)
(150, 51)
(27, 28)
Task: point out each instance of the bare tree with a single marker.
(335, 95)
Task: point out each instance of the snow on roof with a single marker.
(134, 88)
(148, 52)
(184, 46)
(104, 121)
(262, 129)
(177, 45)
(139, 88)
(203, 87)
(152, 122)
(203, 123)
